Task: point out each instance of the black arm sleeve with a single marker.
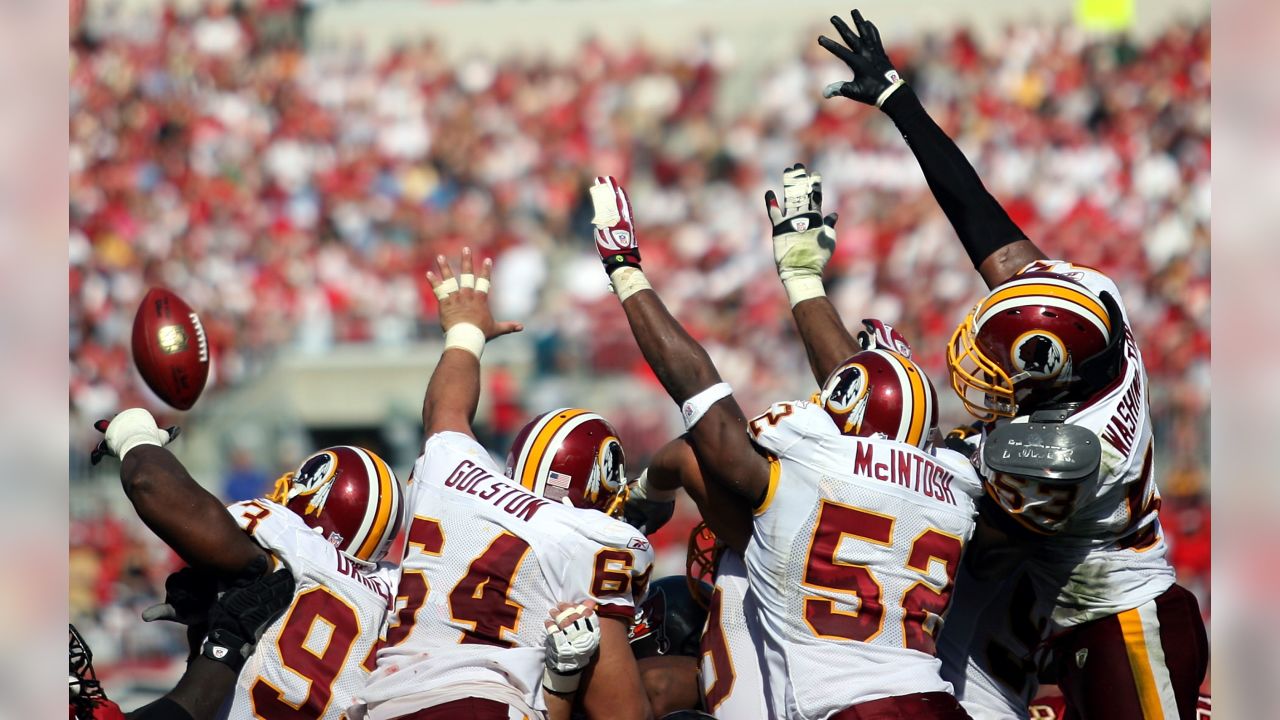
(983, 226)
(162, 709)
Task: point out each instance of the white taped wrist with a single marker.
(560, 684)
(695, 407)
(627, 281)
(130, 442)
(644, 491)
(803, 288)
(889, 91)
(466, 337)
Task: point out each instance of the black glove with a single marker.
(188, 593)
(647, 516)
(874, 77)
(238, 618)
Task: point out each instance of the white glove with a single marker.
(573, 638)
(128, 430)
(803, 240)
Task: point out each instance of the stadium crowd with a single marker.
(296, 196)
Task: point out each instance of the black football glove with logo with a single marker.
(240, 616)
(874, 77)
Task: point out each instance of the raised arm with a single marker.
(995, 244)
(187, 517)
(716, 425)
(675, 466)
(454, 389)
(803, 241)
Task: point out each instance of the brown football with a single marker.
(170, 349)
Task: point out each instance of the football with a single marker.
(170, 349)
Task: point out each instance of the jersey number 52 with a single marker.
(922, 604)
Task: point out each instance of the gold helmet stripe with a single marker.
(919, 397)
(1040, 287)
(538, 445)
(382, 516)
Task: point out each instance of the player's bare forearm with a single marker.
(675, 465)
(611, 685)
(559, 707)
(671, 682)
(681, 364)
(826, 340)
(985, 229)
(187, 517)
(683, 367)
(453, 393)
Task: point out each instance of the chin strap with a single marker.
(280, 492)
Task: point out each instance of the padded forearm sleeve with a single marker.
(983, 226)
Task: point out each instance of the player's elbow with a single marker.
(141, 481)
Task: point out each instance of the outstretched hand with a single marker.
(465, 298)
(874, 77)
(803, 239)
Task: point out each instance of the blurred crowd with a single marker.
(295, 197)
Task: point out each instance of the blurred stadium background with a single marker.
(289, 167)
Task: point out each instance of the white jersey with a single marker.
(1108, 554)
(732, 682)
(851, 561)
(485, 561)
(313, 659)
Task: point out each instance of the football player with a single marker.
(851, 565)
(330, 523)
(236, 620)
(486, 555)
(1048, 364)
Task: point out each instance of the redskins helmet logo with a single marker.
(846, 394)
(608, 471)
(1039, 354)
(314, 477)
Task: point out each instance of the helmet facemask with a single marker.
(982, 385)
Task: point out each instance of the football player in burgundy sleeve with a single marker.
(1048, 359)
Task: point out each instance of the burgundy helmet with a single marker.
(1031, 333)
(881, 391)
(350, 496)
(571, 456)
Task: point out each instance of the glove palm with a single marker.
(803, 240)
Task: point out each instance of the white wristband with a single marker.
(560, 684)
(627, 281)
(803, 288)
(467, 337)
(695, 407)
(889, 91)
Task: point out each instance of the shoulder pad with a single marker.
(1055, 413)
(1054, 452)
